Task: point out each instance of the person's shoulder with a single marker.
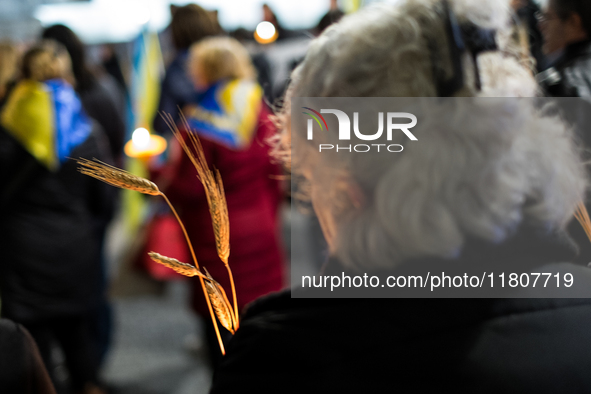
(576, 65)
(269, 303)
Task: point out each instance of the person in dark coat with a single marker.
(190, 23)
(456, 199)
(21, 367)
(333, 15)
(50, 276)
(98, 94)
(566, 28)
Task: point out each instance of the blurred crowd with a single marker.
(234, 93)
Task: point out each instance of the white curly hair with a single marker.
(515, 164)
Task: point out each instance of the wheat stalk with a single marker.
(216, 293)
(220, 303)
(583, 217)
(119, 178)
(214, 188)
(214, 192)
(178, 266)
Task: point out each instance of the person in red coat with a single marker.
(233, 125)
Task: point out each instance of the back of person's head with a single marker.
(65, 36)
(46, 60)
(218, 58)
(9, 65)
(430, 199)
(21, 367)
(566, 8)
(191, 23)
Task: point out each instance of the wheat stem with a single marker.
(233, 294)
(211, 312)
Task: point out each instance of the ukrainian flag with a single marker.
(147, 71)
(47, 119)
(145, 92)
(227, 113)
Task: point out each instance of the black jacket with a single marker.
(570, 75)
(100, 105)
(287, 345)
(49, 233)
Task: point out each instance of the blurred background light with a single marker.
(141, 138)
(265, 30)
(99, 21)
(265, 33)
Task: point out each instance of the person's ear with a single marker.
(348, 189)
(575, 21)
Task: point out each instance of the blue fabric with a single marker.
(205, 129)
(227, 112)
(72, 126)
(208, 100)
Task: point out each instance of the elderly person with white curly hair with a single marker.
(496, 194)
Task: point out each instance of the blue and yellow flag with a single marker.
(147, 67)
(228, 113)
(47, 119)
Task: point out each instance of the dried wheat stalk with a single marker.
(214, 188)
(214, 192)
(583, 217)
(117, 177)
(216, 293)
(220, 303)
(177, 266)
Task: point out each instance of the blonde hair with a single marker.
(220, 58)
(47, 60)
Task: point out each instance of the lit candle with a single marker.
(144, 145)
(265, 33)
(141, 139)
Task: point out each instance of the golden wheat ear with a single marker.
(212, 183)
(116, 177)
(220, 303)
(216, 198)
(178, 266)
(583, 217)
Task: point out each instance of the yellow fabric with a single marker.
(150, 70)
(241, 101)
(29, 116)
